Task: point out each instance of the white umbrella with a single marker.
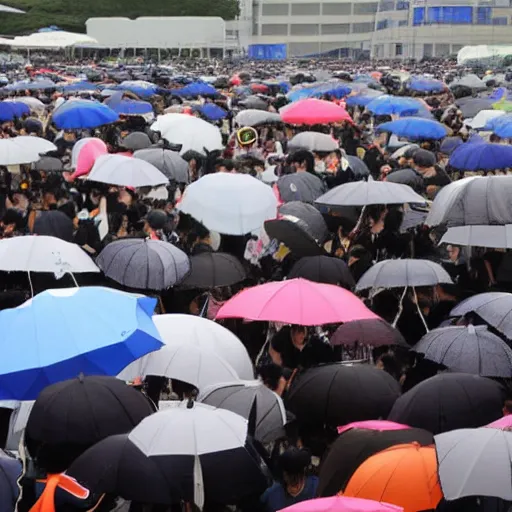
(36, 144)
(480, 236)
(34, 104)
(480, 120)
(231, 204)
(16, 154)
(126, 172)
(192, 133)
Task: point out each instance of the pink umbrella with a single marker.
(296, 301)
(85, 153)
(342, 504)
(379, 425)
(502, 423)
(312, 111)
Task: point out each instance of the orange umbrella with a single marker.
(404, 475)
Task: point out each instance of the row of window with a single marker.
(310, 29)
(316, 9)
(463, 15)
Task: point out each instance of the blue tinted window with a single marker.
(402, 5)
(450, 15)
(483, 15)
(381, 25)
(418, 17)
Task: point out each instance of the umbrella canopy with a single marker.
(243, 398)
(49, 164)
(493, 307)
(168, 162)
(300, 186)
(468, 349)
(415, 128)
(197, 351)
(43, 254)
(481, 157)
(252, 117)
(480, 236)
(232, 204)
(336, 394)
(313, 141)
(254, 103)
(380, 425)
(389, 105)
(10, 472)
(471, 80)
(323, 269)
(54, 223)
(373, 332)
(144, 264)
(475, 462)
(400, 273)
(479, 122)
(312, 111)
(211, 111)
(471, 107)
(84, 154)
(358, 167)
(35, 144)
(203, 451)
(342, 504)
(296, 301)
(449, 401)
(407, 177)
(405, 475)
(12, 153)
(363, 97)
(130, 107)
(369, 192)
(354, 446)
(425, 84)
(213, 269)
(125, 171)
(81, 114)
(40, 349)
(137, 141)
(502, 423)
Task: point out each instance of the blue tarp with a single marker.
(267, 51)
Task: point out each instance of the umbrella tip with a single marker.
(190, 403)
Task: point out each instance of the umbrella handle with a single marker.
(419, 310)
(400, 308)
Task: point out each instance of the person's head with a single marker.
(302, 160)
(507, 407)
(298, 335)
(155, 220)
(293, 463)
(453, 252)
(275, 377)
(406, 160)
(423, 160)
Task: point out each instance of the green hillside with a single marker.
(72, 14)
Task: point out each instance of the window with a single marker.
(418, 17)
(442, 49)
(483, 15)
(365, 8)
(450, 15)
(305, 9)
(336, 9)
(383, 24)
(304, 29)
(302, 49)
(403, 23)
(335, 28)
(399, 50)
(428, 50)
(502, 20)
(362, 28)
(274, 9)
(274, 29)
(386, 5)
(402, 5)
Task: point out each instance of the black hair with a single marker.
(303, 156)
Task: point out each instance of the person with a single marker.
(294, 486)
(434, 178)
(154, 225)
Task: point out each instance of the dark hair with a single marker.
(303, 156)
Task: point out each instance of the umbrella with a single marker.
(130, 107)
(479, 122)
(246, 398)
(373, 332)
(40, 349)
(214, 269)
(449, 401)
(296, 301)
(471, 107)
(470, 80)
(82, 86)
(300, 186)
(203, 451)
(336, 394)
(211, 112)
(369, 192)
(166, 161)
(503, 423)
(10, 472)
(34, 104)
(468, 349)
(415, 128)
(10, 110)
(125, 171)
(358, 167)
(473, 201)
(493, 307)
(380, 425)
(12, 153)
(231, 204)
(49, 164)
(389, 105)
(144, 264)
(196, 89)
(80, 114)
(254, 103)
(407, 177)
(475, 462)
(43, 254)
(141, 88)
(401, 273)
(424, 84)
(342, 504)
(84, 154)
(355, 446)
(403, 149)
(362, 98)
(479, 236)
(499, 118)
(197, 351)
(54, 223)
(405, 475)
(449, 145)
(252, 117)
(117, 467)
(481, 157)
(137, 141)
(323, 269)
(313, 141)
(312, 111)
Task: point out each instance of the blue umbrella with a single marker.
(80, 86)
(38, 85)
(481, 157)
(499, 94)
(211, 111)
(78, 114)
(493, 123)
(450, 144)
(197, 89)
(415, 128)
(363, 98)
(424, 84)
(335, 89)
(503, 130)
(10, 109)
(388, 105)
(128, 107)
(139, 87)
(60, 334)
(10, 472)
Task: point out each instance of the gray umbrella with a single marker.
(49, 164)
(472, 81)
(369, 192)
(412, 218)
(472, 106)
(166, 161)
(313, 141)
(136, 141)
(402, 273)
(407, 177)
(253, 117)
(254, 102)
(300, 186)
(241, 397)
(480, 236)
(468, 349)
(475, 462)
(495, 308)
(144, 264)
(310, 216)
(358, 167)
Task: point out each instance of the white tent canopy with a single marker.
(56, 39)
(482, 52)
(5, 8)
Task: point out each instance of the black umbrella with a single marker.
(10, 471)
(358, 167)
(471, 106)
(337, 394)
(136, 141)
(49, 164)
(54, 223)
(323, 269)
(300, 186)
(213, 269)
(372, 332)
(254, 102)
(168, 162)
(449, 401)
(355, 446)
(311, 217)
(407, 177)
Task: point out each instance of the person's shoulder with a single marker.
(271, 492)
